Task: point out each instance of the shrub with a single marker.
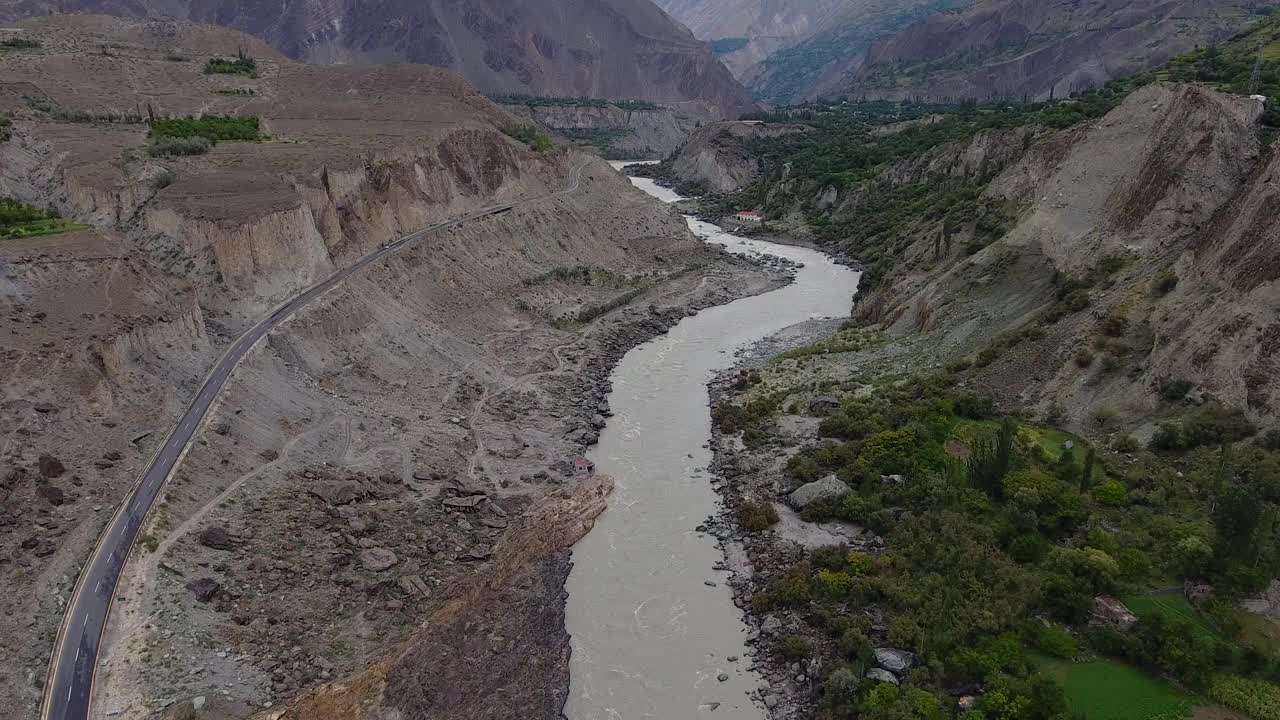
(1124, 444)
(1164, 283)
(975, 407)
(834, 586)
(167, 147)
(795, 647)
(1052, 640)
(1110, 493)
(757, 515)
(960, 365)
(1114, 325)
(1271, 439)
(536, 138)
(1084, 357)
(1174, 390)
(1111, 363)
(1258, 699)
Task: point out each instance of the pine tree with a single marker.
(1086, 477)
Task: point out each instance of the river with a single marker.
(650, 636)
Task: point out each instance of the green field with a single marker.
(1050, 440)
(1109, 690)
(1172, 605)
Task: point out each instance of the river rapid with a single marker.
(652, 624)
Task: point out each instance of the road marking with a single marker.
(82, 626)
(99, 587)
(69, 692)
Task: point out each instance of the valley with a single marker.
(467, 362)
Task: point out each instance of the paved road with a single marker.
(70, 680)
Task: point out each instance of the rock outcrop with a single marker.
(719, 157)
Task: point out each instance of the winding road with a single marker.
(69, 684)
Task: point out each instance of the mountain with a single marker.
(743, 33)
(781, 47)
(614, 49)
(1028, 47)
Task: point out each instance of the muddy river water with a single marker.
(652, 624)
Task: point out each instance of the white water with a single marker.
(649, 637)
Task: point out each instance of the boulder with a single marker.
(215, 537)
(51, 493)
(828, 487)
(377, 558)
(882, 675)
(823, 406)
(50, 466)
(895, 661)
(338, 492)
(204, 588)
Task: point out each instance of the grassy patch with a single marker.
(1108, 690)
(242, 64)
(537, 140)
(214, 128)
(1173, 605)
(1258, 632)
(1258, 699)
(18, 220)
(552, 101)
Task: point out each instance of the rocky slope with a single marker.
(595, 48)
(1148, 210)
(1020, 47)
(471, 364)
(718, 157)
(619, 132)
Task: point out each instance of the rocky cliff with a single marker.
(720, 157)
(595, 48)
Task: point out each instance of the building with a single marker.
(749, 216)
(583, 466)
(1110, 610)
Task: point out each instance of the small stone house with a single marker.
(749, 216)
(1113, 612)
(583, 466)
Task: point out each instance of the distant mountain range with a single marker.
(792, 50)
(618, 49)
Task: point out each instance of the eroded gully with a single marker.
(652, 624)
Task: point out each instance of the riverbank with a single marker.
(654, 631)
(373, 548)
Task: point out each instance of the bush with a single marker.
(757, 515)
(975, 407)
(1052, 640)
(1258, 699)
(536, 139)
(167, 147)
(1270, 440)
(795, 647)
(1124, 444)
(1084, 357)
(1110, 493)
(1174, 390)
(1164, 283)
(1114, 325)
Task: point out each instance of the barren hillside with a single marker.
(597, 48)
(306, 531)
(1012, 48)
